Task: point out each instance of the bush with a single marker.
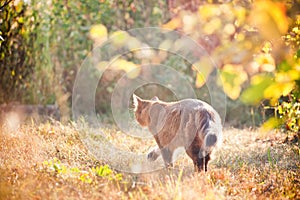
(15, 70)
(43, 48)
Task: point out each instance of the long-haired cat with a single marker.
(189, 123)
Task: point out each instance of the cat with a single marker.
(189, 123)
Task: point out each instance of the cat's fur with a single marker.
(189, 123)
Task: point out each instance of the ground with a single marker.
(50, 161)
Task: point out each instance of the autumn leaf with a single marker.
(270, 18)
(255, 93)
(232, 77)
(173, 24)
(98, 31)
(132, 70)
(277, 90)
(290, 75)
(207, 11)
(203, 67)
(119, 38)
(133, 44)
(101, 66)
(271, 123)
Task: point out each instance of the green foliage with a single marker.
(287, 116)
(266, 167)
(248, 48)
(289, 113)
(15, 73)
(270, 159)
(102, 171)
(253, 67)
(292, 38)
(255, 92)
(55, 166)
(44, 48)
(106, 172)
(281, 88)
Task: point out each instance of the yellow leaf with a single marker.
(21, 20)
(255, 93)
(257, 79)
(212, 26)
(271, 124)
(270, 18)
(119, 38)
(207, 11)
(18, 6)
(98, 31)
(288, 76)
(267, 47)
(102, 65)
(287, 88)
(240, 14)
(231, 91)
(238, 71)
(134, 72)
(130, 68)
(232, 77)
(277, 90)
(172, 24)
(200, 80)
(203, 67)
(278, 12)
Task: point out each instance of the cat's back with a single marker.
(190, 105)
(193, 107)
(185, 109)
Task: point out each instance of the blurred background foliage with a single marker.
(254, 44)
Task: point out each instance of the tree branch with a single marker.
(5, 4)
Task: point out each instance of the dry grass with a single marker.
(49, 161)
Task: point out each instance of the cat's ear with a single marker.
(155, 98)
(136, 101)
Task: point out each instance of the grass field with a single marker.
(49, 161)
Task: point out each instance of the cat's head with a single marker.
(141, 109)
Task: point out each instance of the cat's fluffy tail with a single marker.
(154, 154)
(213, 134)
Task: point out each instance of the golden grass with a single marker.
(49, 161)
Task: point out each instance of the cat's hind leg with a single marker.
(200, 158)
(167, 156)
(202, 161)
